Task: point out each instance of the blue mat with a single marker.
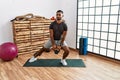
(55, 63)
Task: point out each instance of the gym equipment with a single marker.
(83, 45)
(52, 18)
(8, 51)
(57, 50)
(55, 63)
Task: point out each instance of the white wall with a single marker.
(12, 8)
(47, 8)
(70, 13)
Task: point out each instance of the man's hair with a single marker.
(59, 11)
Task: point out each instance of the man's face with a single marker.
(59, 15)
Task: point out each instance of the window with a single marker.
(99, 21)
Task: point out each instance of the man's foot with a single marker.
(32, 59)
(63, 61)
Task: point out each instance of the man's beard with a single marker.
(59, 19)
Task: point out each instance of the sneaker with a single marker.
(32, 59)
(64, 63)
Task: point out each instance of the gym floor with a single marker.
(97, 68)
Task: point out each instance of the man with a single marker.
(58, 31)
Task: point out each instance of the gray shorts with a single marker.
(48, 44)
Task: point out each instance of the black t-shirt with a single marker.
(58, 29)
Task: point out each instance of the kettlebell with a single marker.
(56, 51)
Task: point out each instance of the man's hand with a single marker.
(54, 47)
(59, 47)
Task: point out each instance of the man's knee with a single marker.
(42, 49)
(66, 50)
(47, 49)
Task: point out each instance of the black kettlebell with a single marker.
(56, 51)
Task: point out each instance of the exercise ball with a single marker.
(8, 51)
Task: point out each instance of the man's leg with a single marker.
(39, 53)
(65, 54)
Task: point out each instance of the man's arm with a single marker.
(63, 37)
(51, 37)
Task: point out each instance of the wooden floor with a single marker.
(96, 69)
